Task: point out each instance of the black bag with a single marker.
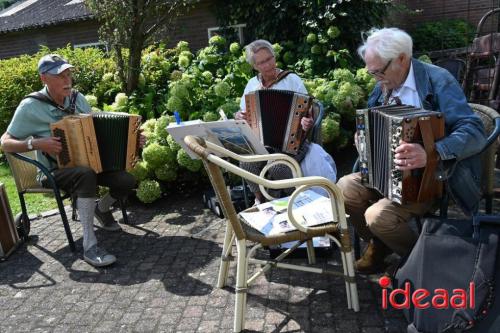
(452, 254)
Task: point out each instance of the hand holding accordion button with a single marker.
(410, 156)
(51, 145)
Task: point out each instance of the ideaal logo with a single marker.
(422, 298)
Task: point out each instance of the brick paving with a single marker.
(164, 281)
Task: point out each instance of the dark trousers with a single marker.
(83, 182)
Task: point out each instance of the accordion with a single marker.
(275, 115)
(103, 141)
(379, 131)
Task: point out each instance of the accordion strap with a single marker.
(44, 98)
(432, 157)
(281, 76)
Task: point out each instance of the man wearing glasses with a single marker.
(29, 130)
(382, 223)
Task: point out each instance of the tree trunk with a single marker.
(120, 67)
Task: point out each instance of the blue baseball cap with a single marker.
(53, 64)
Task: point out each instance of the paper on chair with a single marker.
(270, 218)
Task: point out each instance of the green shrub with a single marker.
(442, 34)
(19, 76)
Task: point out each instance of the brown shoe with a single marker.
(372, 261)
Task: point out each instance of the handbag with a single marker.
(454, 265)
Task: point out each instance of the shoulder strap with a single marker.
(44, 98)
(282, 75)
(279, 77)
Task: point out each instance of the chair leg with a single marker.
(311, 255)
(225, 257)
(488, 201)
(349, 256)
(64, 219)
(121, 202)
(74, 213)
(357, 246)
(241, 286)
(25, 219)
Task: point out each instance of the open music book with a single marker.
(234, 135)
(309, 209)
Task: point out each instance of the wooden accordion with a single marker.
(275, 115)
(379, 131)
(103, 141)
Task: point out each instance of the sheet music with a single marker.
(234, 135)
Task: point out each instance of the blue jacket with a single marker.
(465, 136)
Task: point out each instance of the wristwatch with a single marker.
(29, 143)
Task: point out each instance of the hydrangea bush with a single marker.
(197, 86)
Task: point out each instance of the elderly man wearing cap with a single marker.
(30, 130)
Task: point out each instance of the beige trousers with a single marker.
(373, 215)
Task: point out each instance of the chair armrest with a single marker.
(336, 202)
(316, 129)
(272, 159)
(254, 158)
(493, 135)
(40, 166)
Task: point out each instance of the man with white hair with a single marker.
(382, 223)
(29, 130)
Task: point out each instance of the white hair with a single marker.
(255, 47)
(387, 43)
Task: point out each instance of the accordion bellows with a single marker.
(275, 115)
(103, 141)
(379, 131)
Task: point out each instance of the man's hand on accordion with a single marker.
(410, 156)
(51, 145)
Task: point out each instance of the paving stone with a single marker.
(165, 281)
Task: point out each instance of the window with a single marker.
(100, 45)
(237, 28)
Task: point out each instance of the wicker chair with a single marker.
(236, 229)
(491, 122)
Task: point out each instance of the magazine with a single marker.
(270, 218)
(234, 135)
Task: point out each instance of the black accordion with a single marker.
(275, 115)
(379, 131)
(103, 141)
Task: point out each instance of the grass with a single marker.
(36, 203)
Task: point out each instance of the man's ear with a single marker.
(42, 78)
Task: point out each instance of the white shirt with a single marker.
(291, 82)
(407, 93)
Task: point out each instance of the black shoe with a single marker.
(106, 220)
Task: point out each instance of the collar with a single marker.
(423, 83)
(45, 91)
(409, 82)
(259, 78)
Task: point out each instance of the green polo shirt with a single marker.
(33, 117)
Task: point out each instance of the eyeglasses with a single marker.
(268, 59)
(380, 72)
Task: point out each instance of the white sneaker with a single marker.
(98, 257)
